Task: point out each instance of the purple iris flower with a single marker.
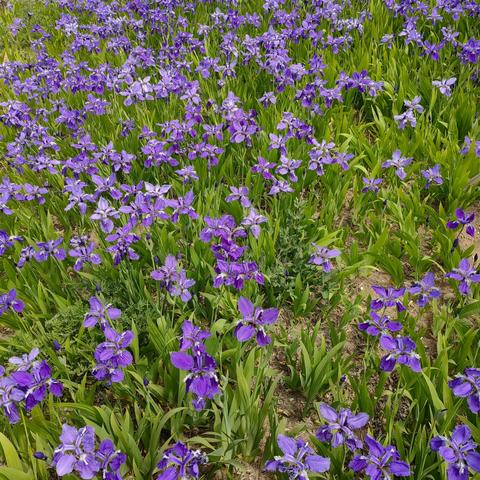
(379, 324)
(252, 222)
(104, 213)
(202, 380)
(401, 350)
(10, 395)
(425, 289)
(380, 463)
(298, 459)
(464, 219)
(180, 288)
(122, 248)
(240, 194)
(174, 279)
(83, 251)
(187, 173)
(432, 175)
(6, 241)
(35, 380)
(179, 462)
(445, 86)
(77, 453)
(26, 361)
(112, 356)
(9, 301)
(183, 206)
(399, 163)
(468, 385)
(322, 256)
(465, 274)
(50, 248)
(388, 298)
(100, 313)
(236, 273)
(459, 452)
(371, 184)
(111, 460)
(340, 427)
(253, 322)
(263, 167)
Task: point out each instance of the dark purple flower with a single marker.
(253, 322)
(297, 460)
(465, 274)
(379, 325)
(425, 289)
(7, 241)
(174, 279)
(34, 378)
(380, 463)
(401, 350)
(468, 385)
(179, 462)
(340, 427)
(459, 452)
(83, 251)
(77, 453)
(464, 219)
(100, 313)
(388, 298)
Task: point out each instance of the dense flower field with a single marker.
(238, 239)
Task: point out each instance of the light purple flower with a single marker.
(445, 86)
(399, 163)
(322, 256)
(466, 275)
(297, 460)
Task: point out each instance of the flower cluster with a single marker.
(27, 383)
(400, 349)
(111, 356)
(297, 460)
(230, 268)
(202, 380)
(79, 453)
(181, 463)
(174, 279)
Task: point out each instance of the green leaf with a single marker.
(10, 453)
